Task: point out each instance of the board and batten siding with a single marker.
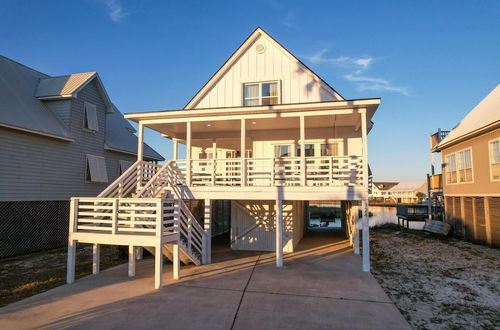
(297, 84)
(39, 168)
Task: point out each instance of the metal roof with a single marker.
(486, 113)
(62, 85)
(18, 106)
(120, 136)
(385, 185)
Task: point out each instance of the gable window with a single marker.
(95, 169)
(495, 160)
(124, 165)
(451, 169)
(465, 166)
(330, 149)
(262, 93)
(309, 150)
(90, 117)
(283, 150)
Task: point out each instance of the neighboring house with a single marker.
(399, 192)
(59, 137)
(265, 133)
(470, 156)
(380, 191)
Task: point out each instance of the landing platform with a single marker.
(320, 287)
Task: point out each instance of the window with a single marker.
(90, 117)
(266, 93)
(309, 150)
(451, 169)
(96, 169)
(465, 166)
(124, 165)
(330, 149)
(495, 160)
(282, 151)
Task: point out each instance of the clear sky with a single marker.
(430, 61)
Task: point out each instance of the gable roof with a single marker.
(19, 109)
(120, 136)
(486, 114)
(258, 32)
(384, 186)
(409, 186)
(62, 85)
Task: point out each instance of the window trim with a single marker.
(490, 160)
(260, 97)
(457, 162)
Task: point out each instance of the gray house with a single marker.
(59, 137)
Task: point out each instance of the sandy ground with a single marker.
(438, 283)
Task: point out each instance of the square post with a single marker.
(70, 266)
(279, 232)
(176, 263)
(159, 265)
(303, 170)
(188, 153)
(355, 229)
(131, 261)
(214, 161)
(140, 154)
(487, 220)
(207, 226)
(364, 203)
(175, 152)
(243, 153)
(96, 258)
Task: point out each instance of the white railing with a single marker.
(118, 216)
(134, 177)
(287, 171)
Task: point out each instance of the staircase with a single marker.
(144, 180)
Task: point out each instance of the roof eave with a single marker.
(441, 146)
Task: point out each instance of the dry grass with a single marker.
(25, 276)
(437, 282)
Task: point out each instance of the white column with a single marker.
(96, 257)
(70, 272)
(188, 153)
(279, 233)
(214, 161)
(176, 263)
(364, 203)
(140, 142)
(243, 153)
(131, 261)
(207, 226)
(303, 181)
(139, 253)
(175, 153)
(159, 265)
(356, 229)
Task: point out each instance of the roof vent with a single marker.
(260, 48)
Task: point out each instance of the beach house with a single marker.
(265, 135)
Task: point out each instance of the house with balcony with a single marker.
(266, 135)
(470, 179)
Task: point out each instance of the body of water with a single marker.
(387, 214)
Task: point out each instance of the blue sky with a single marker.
(429, 61)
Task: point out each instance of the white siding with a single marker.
(297, 84)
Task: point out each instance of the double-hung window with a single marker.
(451, 169)
(494, 147)
(465, 166)
(282, 150)
(261, 93)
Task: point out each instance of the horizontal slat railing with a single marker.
(287, 171)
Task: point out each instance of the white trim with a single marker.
(260, 97)
(490, 160)
(458, 163)
(36, 132)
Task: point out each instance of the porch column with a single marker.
(214, 161)
(188, 153)
(279, 233)
(175, 154)
(207, 242)
(131, 261)
(243, 153)
(303, 169)
(159, 265)
(96, 258)
(364, 203)
(140, 154)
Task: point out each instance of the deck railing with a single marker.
(288, 171)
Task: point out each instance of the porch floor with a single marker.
(320, 287)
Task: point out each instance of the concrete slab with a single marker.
(322, 286)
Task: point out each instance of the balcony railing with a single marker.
(287, 171)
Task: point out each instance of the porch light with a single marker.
(209, 125)
(254, 122)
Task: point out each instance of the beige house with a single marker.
(265, 133)
(470, 156)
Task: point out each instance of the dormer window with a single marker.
(261, 93)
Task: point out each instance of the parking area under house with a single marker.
(321, 286)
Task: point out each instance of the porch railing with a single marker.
(289, 171)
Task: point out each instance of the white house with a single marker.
(398, 192)
(267, 134)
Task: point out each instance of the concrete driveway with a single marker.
(321, 287)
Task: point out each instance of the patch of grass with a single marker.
(27, 275)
